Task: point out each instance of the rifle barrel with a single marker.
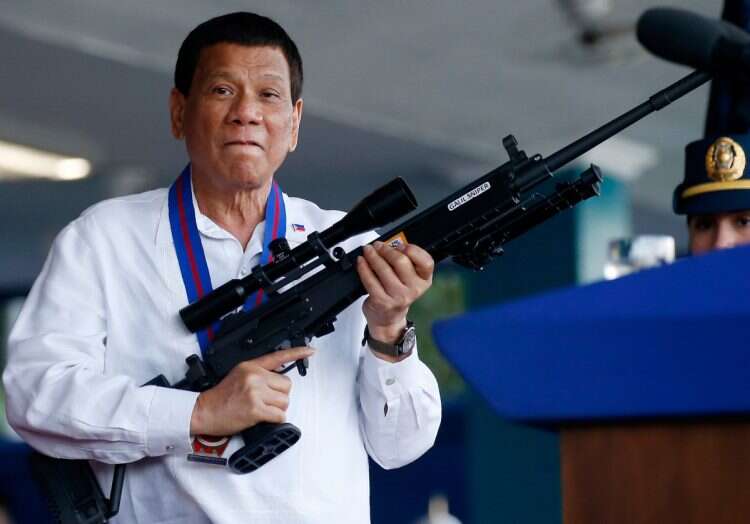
(658, 101)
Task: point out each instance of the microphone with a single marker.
(693, 40)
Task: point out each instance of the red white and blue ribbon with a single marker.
(189, 248)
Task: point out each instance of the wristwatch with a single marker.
(403, 345)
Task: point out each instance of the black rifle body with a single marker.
(473, 232)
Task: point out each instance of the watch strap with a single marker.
(403, 346)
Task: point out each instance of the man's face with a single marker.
(238, 121)
(718, 231)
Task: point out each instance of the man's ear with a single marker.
(296, 120)
(176, 113)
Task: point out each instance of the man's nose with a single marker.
(726, 237)
(246, 110)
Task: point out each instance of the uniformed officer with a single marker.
(715, 194)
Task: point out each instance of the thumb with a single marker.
(273, 360)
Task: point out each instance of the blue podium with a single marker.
(647, 377)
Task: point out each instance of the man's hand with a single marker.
(394, 279)
(252, 392)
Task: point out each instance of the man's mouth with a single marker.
(243, 143)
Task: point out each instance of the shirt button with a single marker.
(170, 448)
(390, 381)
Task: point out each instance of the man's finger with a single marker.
(273, 360)
(370, 281)
(423, 262)
(385, 274)
(400, 263)
(273, 414)
(279, 382)
(276, 399)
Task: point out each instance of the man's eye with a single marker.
(270, 94)
(701, 225)
(220, 90)
(743, 221)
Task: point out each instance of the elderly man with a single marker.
(102, 319)
(715, 194)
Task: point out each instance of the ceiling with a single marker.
(423, 89)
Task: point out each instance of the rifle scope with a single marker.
(382, 206)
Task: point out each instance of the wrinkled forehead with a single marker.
(231, 58)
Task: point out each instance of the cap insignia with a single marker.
(725, 160)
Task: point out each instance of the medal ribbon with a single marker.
(189, 248)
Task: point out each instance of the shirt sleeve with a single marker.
(400, 406)
(60, 398)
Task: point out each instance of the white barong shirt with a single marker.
(102, 318)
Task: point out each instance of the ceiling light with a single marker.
(17, 162)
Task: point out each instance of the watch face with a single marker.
(410, 338)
